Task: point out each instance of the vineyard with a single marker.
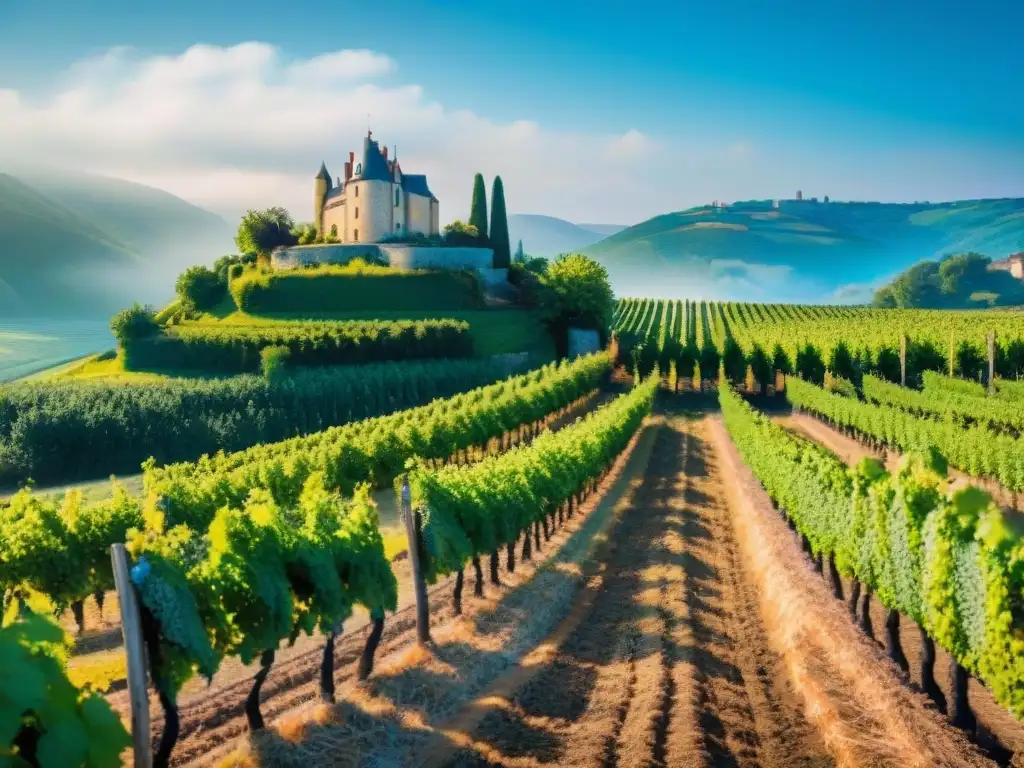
(807, 339)
(818, 561)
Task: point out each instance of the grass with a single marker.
(112, 370)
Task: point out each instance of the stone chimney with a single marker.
(385, 153)
(350, 165)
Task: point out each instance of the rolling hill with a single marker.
(549, 236)
(801, 251)
(75, 244)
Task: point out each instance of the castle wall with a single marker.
(437, 257)
(419, 214)
(335, 216)
(376, 211)
(299, 256)
(398, 256)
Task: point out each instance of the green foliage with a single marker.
(841, 363)
(760, 366)
(304, 234)
(260, 574)
(577, 294)
(373, 450)
(136, 322)
(498, 236)
(461, 235)
(225, 266)
(261, 232)
(473, 510)
(200, 287)
(952, 282)
(976, 450)
(948, 404)
(274, 361)
(809, 364)
(44, 423)
(356, 286)
(232, 348)
(61, 549)
(46, 722)
(478, 210)
(955, 564)
(733, 360)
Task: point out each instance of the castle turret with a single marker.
(321, 186)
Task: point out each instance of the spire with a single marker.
(323, 174)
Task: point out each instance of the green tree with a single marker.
(260, 232)
(200, 287)
(458, 233)
(136, 322)
(499, 226)
(478, 209)
(576, 293)
(520, 255)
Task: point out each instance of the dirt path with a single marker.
(671, 666)
(998, 730)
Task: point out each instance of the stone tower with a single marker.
(321, 186)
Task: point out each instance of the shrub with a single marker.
(273, 361)
(261, 232)
(136, 322)
(461, 235)
(576, 293)
(357, 286)
(200, 287)
(44, 423)
(235, 271)
(236, 348)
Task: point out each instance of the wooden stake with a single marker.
(131, 631)
(991, 362)
(413, 524)
(903, 359)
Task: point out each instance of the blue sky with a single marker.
(748, 98)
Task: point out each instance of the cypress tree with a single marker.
(520, 256)
(478, 210)
(499, 226)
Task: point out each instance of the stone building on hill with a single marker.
(374, 200)
(1014, 264)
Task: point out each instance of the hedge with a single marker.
(356, 287)
(44, 424)
(236, 348)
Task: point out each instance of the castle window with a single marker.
(398, 197)
(357, 191)
(398, 227)
(355, 235)
(357, 213)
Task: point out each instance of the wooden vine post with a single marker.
(413, 530)
(903, 359)
(952, 352)
(991, 362)
(134, 648)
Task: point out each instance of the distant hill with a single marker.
(549, 236)
(80, 244)
(802, 251)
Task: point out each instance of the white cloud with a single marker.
(238, 127)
